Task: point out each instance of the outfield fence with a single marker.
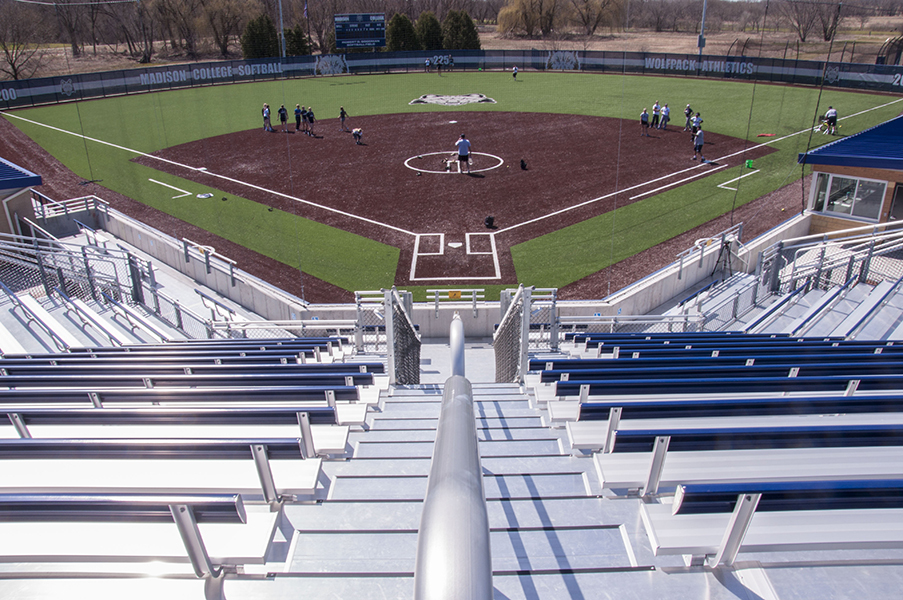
(51, 90)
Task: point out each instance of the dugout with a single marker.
(14, 185)
(857, 178)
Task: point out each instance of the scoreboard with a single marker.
(360, 30)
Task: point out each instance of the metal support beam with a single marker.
(194, 544)
(262, 463)
(736, 529)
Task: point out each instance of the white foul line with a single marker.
(172, 187)
(223, 177)
(678, 182)
(724, 185)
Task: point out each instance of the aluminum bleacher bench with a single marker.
(838, 384)
(679, 360)
(317, 425)
(713, 369)
(713, 523)
(597, 421)
(198, 380)
(9, 344)
(34, 311)
(208, 531)
(263, 470)
(136, 320)
(89, 318)
(657, 446)
(102, 367)
(350, 402)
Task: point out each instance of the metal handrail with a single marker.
(456, 342)
(453, 554)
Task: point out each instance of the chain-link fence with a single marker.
(403, 339)
(508, 340)
(720, 316)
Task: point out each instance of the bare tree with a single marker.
(800, 15)
(20, 55)
(227, 19)
(590, 14)
(70, 15)
(829, 19)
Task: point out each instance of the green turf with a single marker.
(150, 122)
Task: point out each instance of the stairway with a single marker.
(549, 534)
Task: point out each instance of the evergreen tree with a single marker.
(459, 32)
(260, 39)
(296, 42)
(429, 31)
(400, 35)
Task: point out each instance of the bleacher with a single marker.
(142, 453)
(676, 417)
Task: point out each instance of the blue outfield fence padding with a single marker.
(51, 90)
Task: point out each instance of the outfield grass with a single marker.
(150, 122)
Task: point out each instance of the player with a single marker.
(656, 115)
(463, 145)
(304, 127)
(357, 133)
(695, 123)
(310, 121)
(666, 116)
(644, 123)
(514, 72)
(698, 141)
(297, 117)
(342, 116)
(831, 120)
(283, 118)
(688, 113)
(266, 118)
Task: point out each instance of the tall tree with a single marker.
(429, 31)
(296, 41)
(400, 34)
(20, 55)
(260, 39)
(459, 32)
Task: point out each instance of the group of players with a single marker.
(661, 116)
(305, 120)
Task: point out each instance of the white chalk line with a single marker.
(172, 187)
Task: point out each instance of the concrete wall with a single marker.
(274, 304)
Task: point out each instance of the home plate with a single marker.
(455, 244)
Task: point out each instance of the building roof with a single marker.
(15, 177)
(880, 147)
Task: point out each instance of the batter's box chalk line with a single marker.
(455, 245)
(442, 163)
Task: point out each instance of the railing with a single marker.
(820, 262)
(633, 323)
(454, 559)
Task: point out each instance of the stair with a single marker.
(547, 524)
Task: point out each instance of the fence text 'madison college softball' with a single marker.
(202, 73)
